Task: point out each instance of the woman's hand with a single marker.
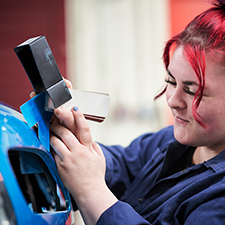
(76, 154)
(80, 163)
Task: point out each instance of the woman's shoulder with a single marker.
(163, 135)
(153, 140)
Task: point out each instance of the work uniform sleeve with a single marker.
(121, 213)
(124, 164)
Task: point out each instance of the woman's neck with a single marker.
(203, 154)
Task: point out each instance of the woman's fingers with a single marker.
(58, 159)
(58, 146)
(83, 131)
(76, 123)
(68, 83)
(98, 149)
(67, 119)
(62, 139)
(32, 94)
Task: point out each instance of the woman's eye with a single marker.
(168, 81)
(189, 91)
(186, 89)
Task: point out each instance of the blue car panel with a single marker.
(29, 181)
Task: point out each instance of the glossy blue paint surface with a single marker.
(15, 135)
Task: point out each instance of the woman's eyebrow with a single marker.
(184, 82)
(190, 83)
(170, 74)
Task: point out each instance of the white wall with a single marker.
(115, 46)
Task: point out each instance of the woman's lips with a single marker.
(180, 120)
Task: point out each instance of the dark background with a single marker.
(19, 21)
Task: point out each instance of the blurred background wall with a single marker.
(116, 47)
(19, 21)
(111, 46)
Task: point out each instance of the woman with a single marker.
(174, 176)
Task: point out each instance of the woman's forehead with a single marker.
(179, 63)
(209, 61)
(181, 69)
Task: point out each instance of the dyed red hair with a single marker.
(205, 34)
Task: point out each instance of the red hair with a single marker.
(204, 34)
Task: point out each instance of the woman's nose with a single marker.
(175, 98)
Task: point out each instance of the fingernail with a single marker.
(75, 108)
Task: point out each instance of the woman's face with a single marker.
(182, 85)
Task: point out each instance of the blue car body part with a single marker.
(31, 191)
(34, 113)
